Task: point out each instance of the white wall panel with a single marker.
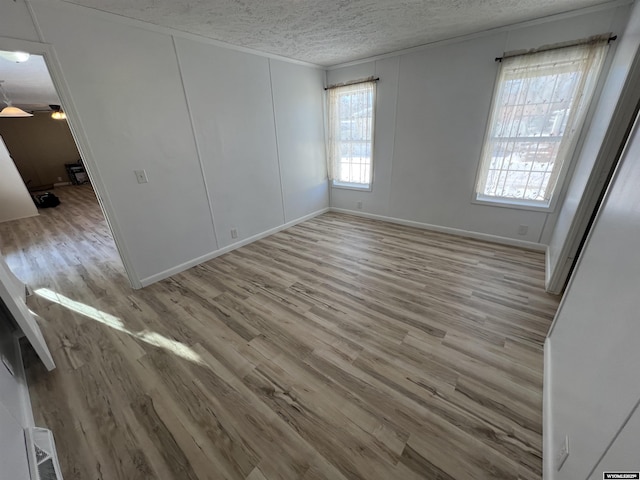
(568, 29)
(229, 94)
(298, 98)
(16, 21)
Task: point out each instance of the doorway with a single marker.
(58, 162)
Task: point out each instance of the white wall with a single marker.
(297, 92)
(212, 162)
(229, 95)
(262, 153)
(16, 22)
(591, 380)
(15, 201)
(431, 120)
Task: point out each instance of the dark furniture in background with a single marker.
(77, 173)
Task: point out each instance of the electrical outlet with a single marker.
(523, 229)
(234, 233)
(563, 453)
(359, 205)
(59, 179)
(141, 176)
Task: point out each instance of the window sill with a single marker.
(352, 186)
(514, 204)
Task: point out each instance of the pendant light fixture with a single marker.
(57, 114)
(10, 111)
(17, 57)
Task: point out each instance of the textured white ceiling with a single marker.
(329, 32)
(28, 85)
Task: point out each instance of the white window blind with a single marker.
(351, 121)
(538, 110)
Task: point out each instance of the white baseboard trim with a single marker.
(221, 251)
(20, 218)
(61, 184)
(547, 433)
(538, 247)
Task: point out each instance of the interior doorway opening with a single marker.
(48, 163)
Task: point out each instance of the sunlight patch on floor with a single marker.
(151, 338)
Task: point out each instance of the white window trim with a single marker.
(514, 203)
(363, 187)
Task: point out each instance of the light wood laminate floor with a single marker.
(341, 348)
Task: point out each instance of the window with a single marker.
(351, 121)
(539, 107)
